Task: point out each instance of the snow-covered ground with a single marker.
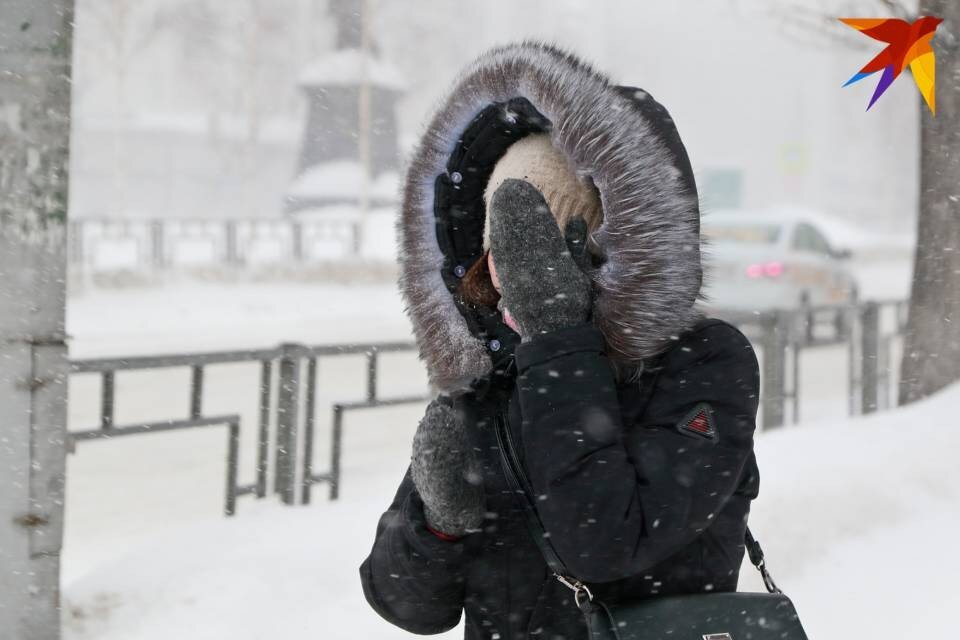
(857, 516)
(194, 316)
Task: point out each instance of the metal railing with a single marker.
(109, 244)
(783, 335)
(780, 335)
(233, 445)
(287, 424)
(278, 421)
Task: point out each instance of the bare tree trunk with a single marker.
(35, 54)
(932, 343)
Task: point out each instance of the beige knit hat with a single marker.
(535, 159)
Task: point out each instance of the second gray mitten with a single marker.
(446, 472)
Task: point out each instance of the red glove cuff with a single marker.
(443, 536)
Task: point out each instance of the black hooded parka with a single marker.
(635, 429)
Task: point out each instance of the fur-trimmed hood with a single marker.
(618, 136)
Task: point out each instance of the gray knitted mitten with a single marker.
(447, 473)
(541, 273)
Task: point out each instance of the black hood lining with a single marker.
(460, 211)
(459, 207)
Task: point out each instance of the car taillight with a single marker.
(765, 270)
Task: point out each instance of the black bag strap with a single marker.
(757, 560)
(517, 480)
(520, 485)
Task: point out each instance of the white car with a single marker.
(769, 260)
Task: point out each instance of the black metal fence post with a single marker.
(288, 400)
(263, 432)
(309, 427)
(335, 448)
(196, 391)
(372, 375)
(355, 239)
(794, 393)
(232, 250)
(296, 240)
(156, 245)
(808, 318)
(107, 398)
(233, 458)
(852, 319)
(869, 357)
(774, 368)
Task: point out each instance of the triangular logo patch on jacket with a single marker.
(699, 423)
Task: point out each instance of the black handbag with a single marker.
(708, 616)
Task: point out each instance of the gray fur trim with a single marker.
(650, 234)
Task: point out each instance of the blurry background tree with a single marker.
(932, 338)
(932, 342)
(124, 28)
(243, 61)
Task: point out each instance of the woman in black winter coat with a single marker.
(632, 414)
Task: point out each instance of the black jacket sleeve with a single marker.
(412, 578)
(620, 487)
